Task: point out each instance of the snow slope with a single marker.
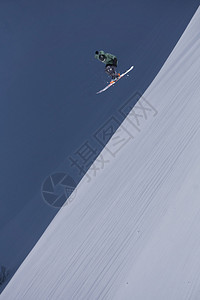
(132, 232)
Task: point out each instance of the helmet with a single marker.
(102, 57)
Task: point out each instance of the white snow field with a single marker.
(133, 230)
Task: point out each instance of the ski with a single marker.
(114, 81)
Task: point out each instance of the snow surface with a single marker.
(132, 231)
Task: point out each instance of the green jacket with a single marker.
(110, 59)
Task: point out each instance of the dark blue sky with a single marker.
(49, 79)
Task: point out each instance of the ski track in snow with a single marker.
(133, 231)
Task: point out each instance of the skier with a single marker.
(110, 61)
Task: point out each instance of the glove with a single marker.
(115, 61)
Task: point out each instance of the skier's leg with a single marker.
(110, 70)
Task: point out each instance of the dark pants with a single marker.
(110, 70)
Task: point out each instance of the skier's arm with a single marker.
(113, 58)
(106, 58)
(100, 55)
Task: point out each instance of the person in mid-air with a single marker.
(110, 61)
